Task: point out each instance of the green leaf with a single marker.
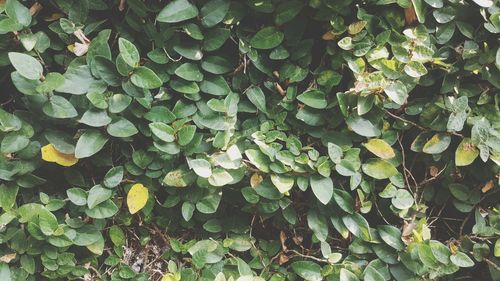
(187, 210)
(459, 191)
(287, 11)
(186, 134)
(322, 188)
(346, 275)
(59, 107)
(189, 49)
(117, 236)
(89, 143)
(176, 11)
(215, 85)
(267, 38)
(391, 236)
(258, 159)
(87, 235)
(97, 195)
(77, 79)
(313, 98)
(397, 92)
(334, 152)
(162, 131)
(121, 128)
(179, 178)
(201, 167)
(118, 103)
(145, 78)
(308, 270)
(466, 153)
(189, 71)
(344, 200)
(415, 69)
(52, 81)
(461, 260)
(362, 127)
(5, 274)
(104, 210)
(371, 274)
(437, 144)
(26, 65)
(128, 52)
(379, 169)
(18, 12)
(77, 196)
(214, 12)
(13, 142)
(403, 199)
(358, 226)
(113, 177)
(419, 10)
(282, 182)
(257, 97)
(95, 118)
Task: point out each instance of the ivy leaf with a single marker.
(97, 195)
(437, 144)
(137, 197)
(344, 200)
(89, 143)
(145, 78)
(346, 275)
(267, 38)
(214, 12)
(308, 270)
(379, 169)
(162, 131)
(322, 188)
(397, 92)
(380, 148)
(466, 153)
(177, 11)
(403, 199)
(201, 167)
(358, 226)
(391, 236)
(18, 12)
(186, 134)
(461, 260)
(26, 65)
(282, 182)
(113, 177)
(313, 98)
(59, 107)
(121, 128)
(257, 97)
(128, 52)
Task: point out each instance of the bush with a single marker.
(249, 140)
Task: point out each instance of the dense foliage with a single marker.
(249, 140)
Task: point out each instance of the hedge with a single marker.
(249, 140)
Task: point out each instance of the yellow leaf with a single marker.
(380, 148)
(137, 198)
(50, 154)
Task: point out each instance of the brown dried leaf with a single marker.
(8, 258)
(489, 185)
(255, 180)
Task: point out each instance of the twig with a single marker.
(405, 120)
(492, 264)
(307, 256)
